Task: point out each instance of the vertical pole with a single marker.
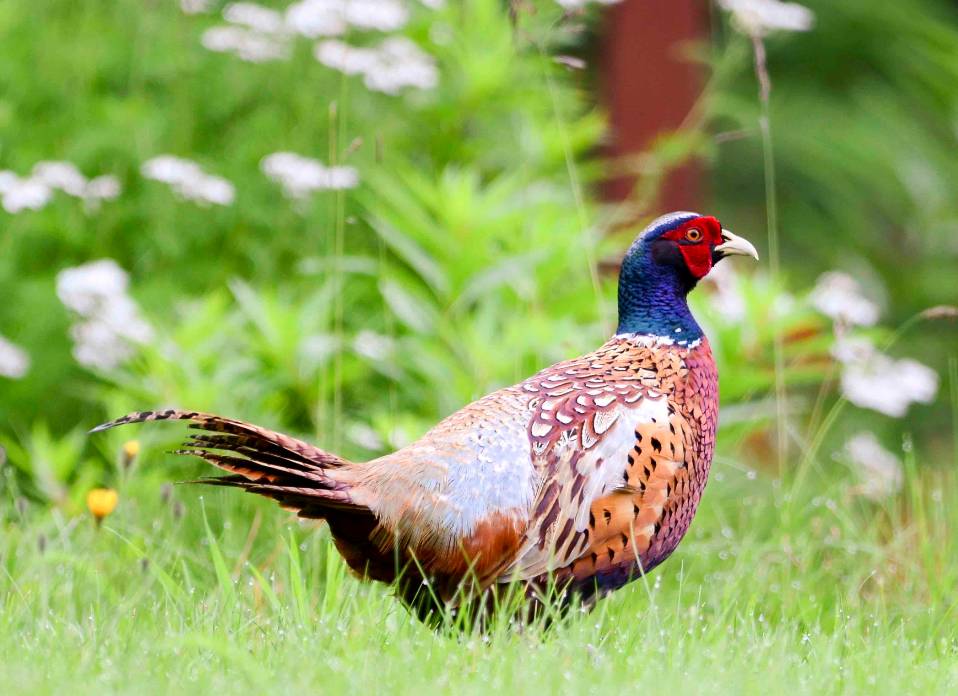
(648, 88)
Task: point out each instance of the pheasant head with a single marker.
(663, 264)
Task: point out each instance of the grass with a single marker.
(216, 591)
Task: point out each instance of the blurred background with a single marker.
(346, 220)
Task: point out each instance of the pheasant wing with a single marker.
(609, 443)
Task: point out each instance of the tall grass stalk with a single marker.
(953, 387)
(586, 230)
(774, 260)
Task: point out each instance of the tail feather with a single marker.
(292, 472)
(300, 477)
(236, 433)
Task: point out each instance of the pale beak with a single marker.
(735, 245)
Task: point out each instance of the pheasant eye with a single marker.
(694, 234)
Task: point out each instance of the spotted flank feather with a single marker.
(580, 478)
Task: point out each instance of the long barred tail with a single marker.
(292, 472)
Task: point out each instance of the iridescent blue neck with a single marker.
(653, 298)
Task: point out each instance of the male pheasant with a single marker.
(578, 479)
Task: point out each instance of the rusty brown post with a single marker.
(648, 87)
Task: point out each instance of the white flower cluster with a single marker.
(36, 190)
(258, 34)
(196, 6)
(109, 321)
(871, 379)
(14, 361)
(299, 176)
(189, 180)
(579, 4)
(879, 470)
(315, 18)
(393, 65)
(728, 300)
(839, 296)
(250, 45)
(255, 33)
(760, 17)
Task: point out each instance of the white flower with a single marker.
(870, 379)
(300, 176)
(341, 56)
(377, 15)
(839, 296)
(25, 194)
(208, 189)
(170, 169)
(101, 188)
(315, 18)
(852, 349)
(727, 301)
(189, 180)
(87, 288)
(96, 345)
(109, 320)
(106, 341)
(14, 361)
(759, 17)
(195, 6)
(402, 64)
(879, 470)
(393, 65)
(579, 4)
(249, 14)
(60, 175)
(34, 192)
(250, 45)
(7, 180)
(374, 346)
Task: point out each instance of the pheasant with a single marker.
(574, 481)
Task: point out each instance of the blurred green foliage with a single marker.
(467, 258)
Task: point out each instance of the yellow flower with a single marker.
(131, 448)
(101, 502)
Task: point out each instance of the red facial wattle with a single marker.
(698, 253)
(698, 258)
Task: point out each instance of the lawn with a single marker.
(778, 586)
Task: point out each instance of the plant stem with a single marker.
(771, 212)
(953, 386)
(576, 186)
